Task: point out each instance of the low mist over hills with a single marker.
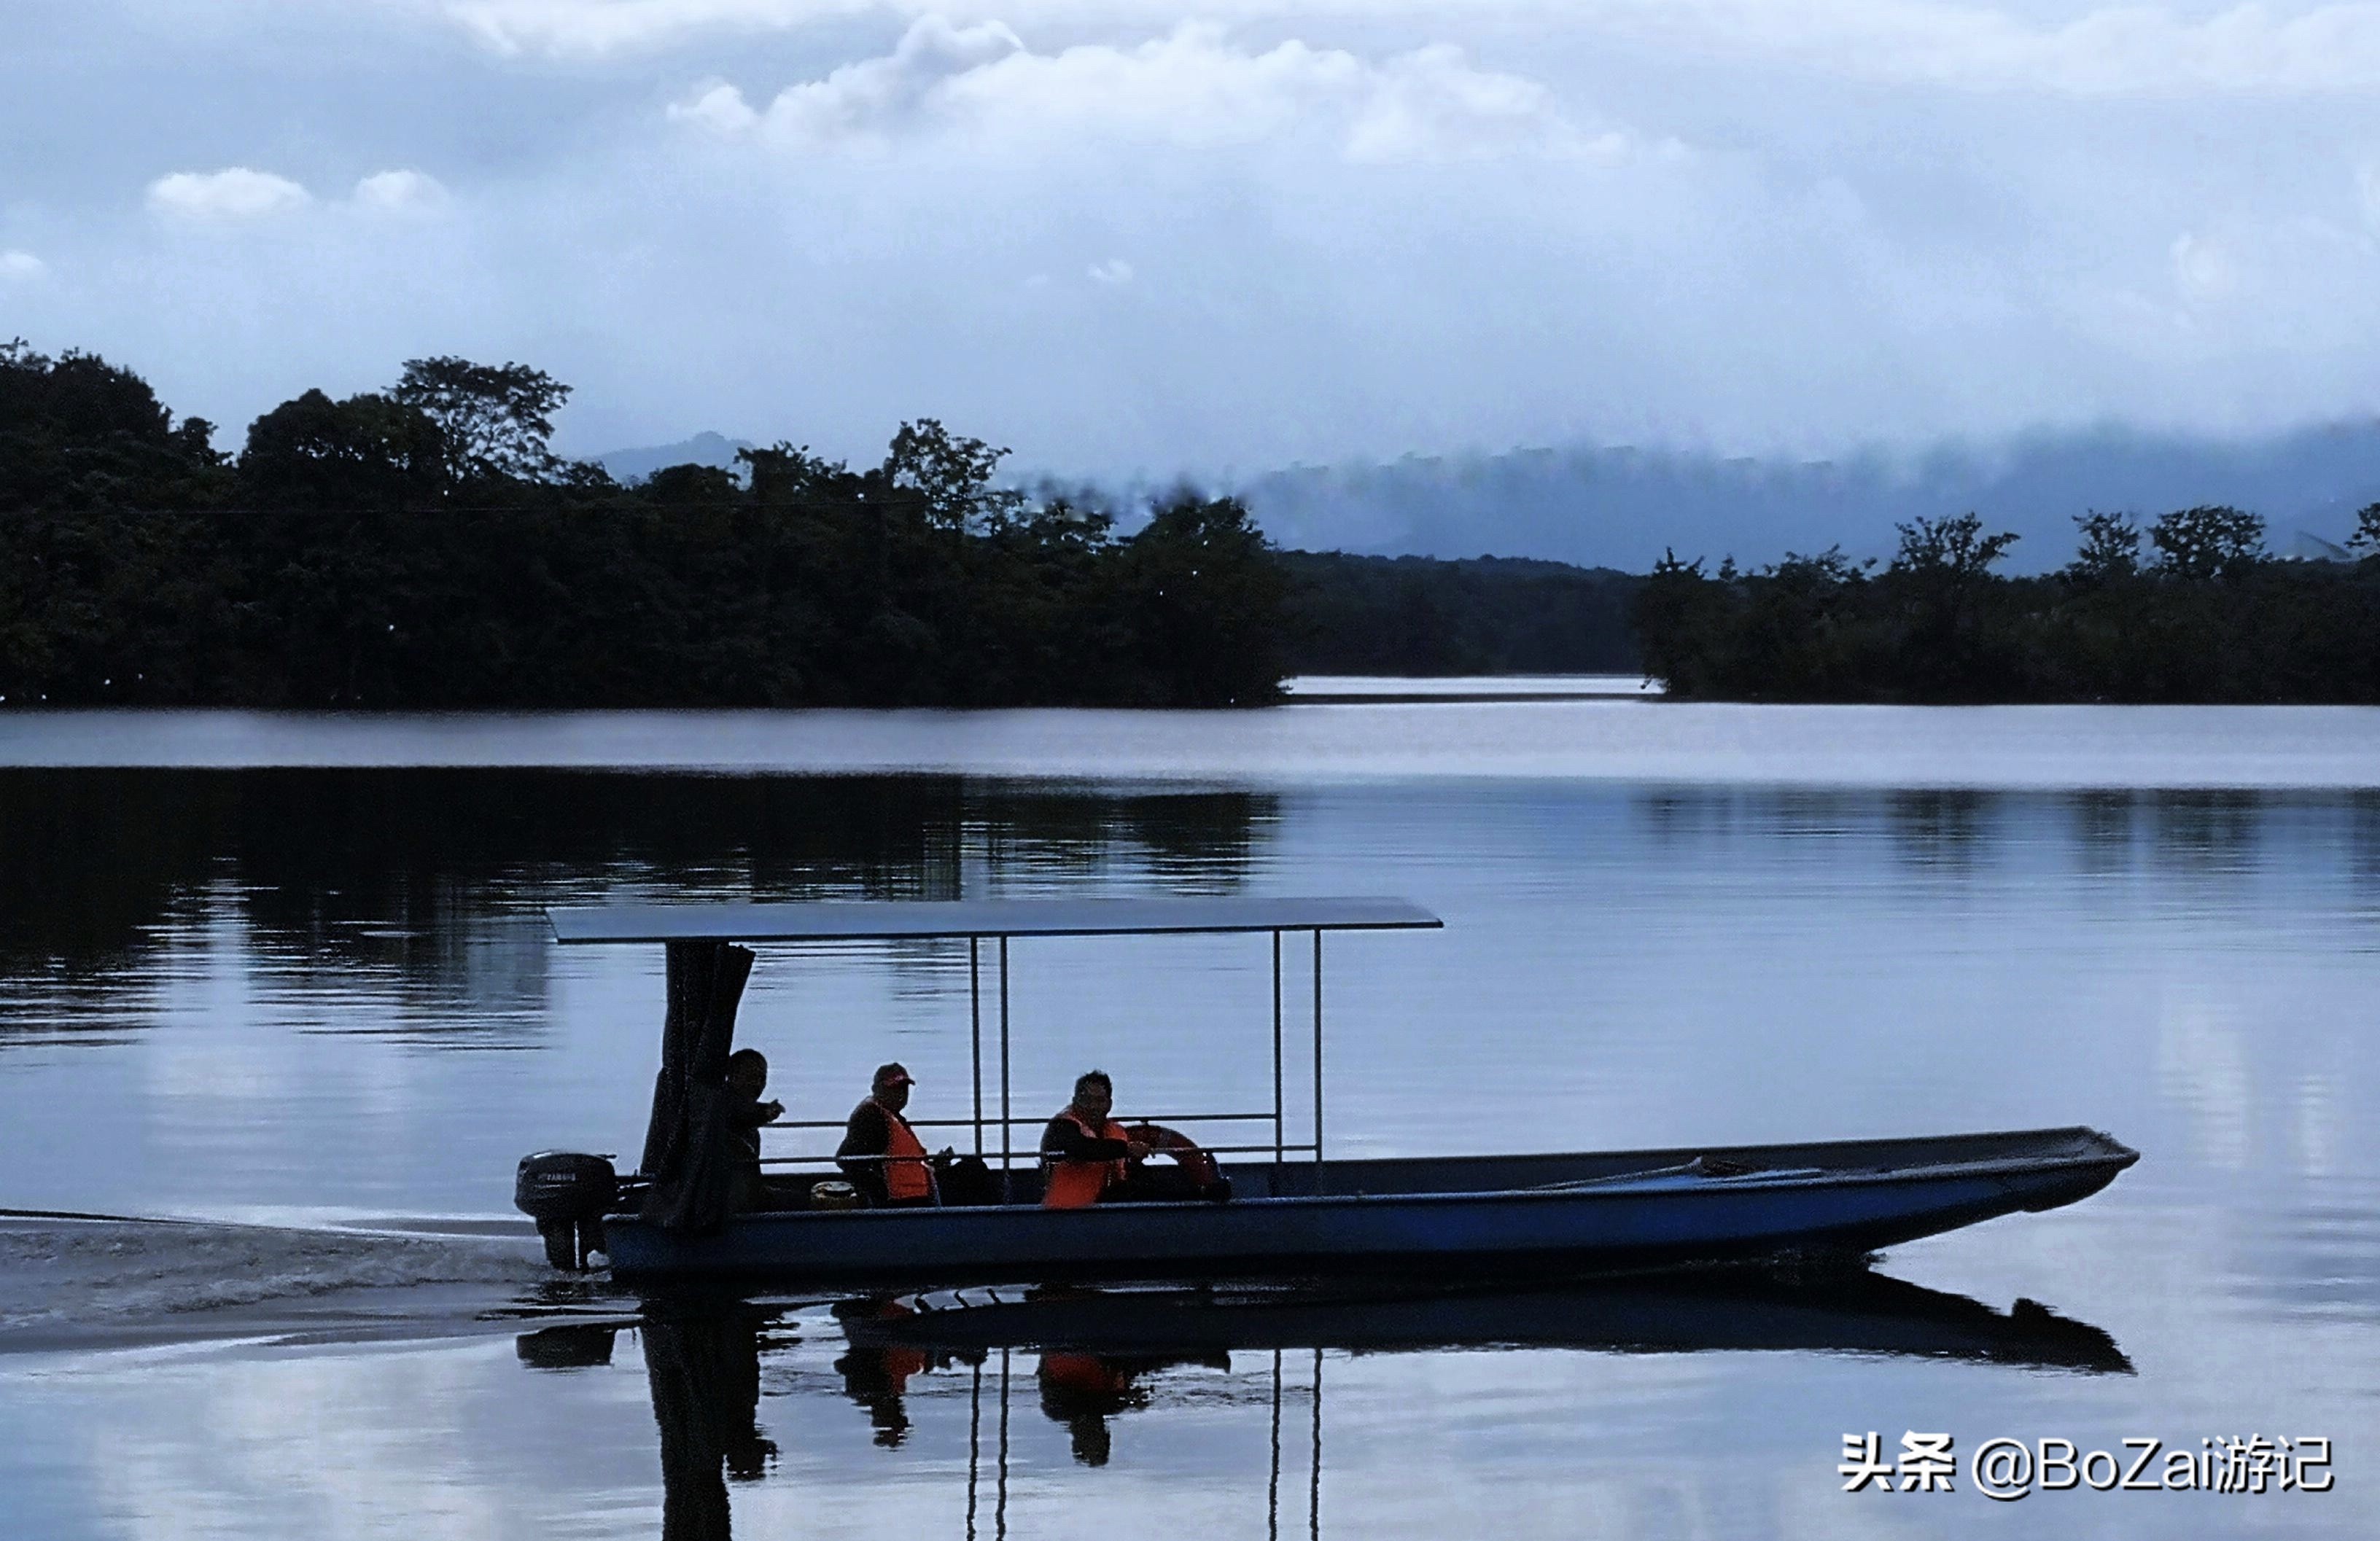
(1623, 507)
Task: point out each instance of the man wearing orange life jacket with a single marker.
(880, 1152)
(1087, 1154)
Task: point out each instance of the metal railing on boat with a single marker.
(1279, 1149)
(1001, 921)
(1006, 1121)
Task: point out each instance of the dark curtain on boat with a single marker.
(691, 1146)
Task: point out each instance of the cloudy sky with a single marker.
(1133, 236)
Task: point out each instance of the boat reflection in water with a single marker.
(1095, 1354)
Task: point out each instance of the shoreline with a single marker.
(1603, 739)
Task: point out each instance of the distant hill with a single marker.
(703, 449)
(1623, 507)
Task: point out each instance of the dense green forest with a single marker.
(422, 547)
(1482, 616)
(2191, 608)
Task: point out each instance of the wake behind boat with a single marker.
(1294, 1212)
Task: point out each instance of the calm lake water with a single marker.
(302, 1000)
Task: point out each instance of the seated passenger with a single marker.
(1085, 1153)
(1091, 1157)
(747, 1078)
(880, 1152)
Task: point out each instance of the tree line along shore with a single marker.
(422, 548)
(2190, 607)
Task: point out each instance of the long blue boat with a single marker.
(1293, 1213)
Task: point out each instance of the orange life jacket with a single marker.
(900, 1362)
(1085, 1374)
(1075, 1184)
(906, 1175)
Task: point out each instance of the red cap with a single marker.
(894, 1074)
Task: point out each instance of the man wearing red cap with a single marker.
(880, 1152)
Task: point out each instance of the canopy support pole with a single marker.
(1317, 1062)
(1007, 1159)
(1000, 1498)
(1272, 1483)
(1314, 1498)
(1279, 1134)
(975, 1031)
(975, 1440)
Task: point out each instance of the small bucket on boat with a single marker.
(833, 1193)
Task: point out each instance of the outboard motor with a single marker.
(567, 1193)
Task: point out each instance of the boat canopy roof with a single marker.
(870, 920)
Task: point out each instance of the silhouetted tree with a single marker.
(1955, 550)
(2110, 551)
(424, 548)
(366, 451)
(496, 418)
(2195, 544)
(2214, 621)
(1939, 577)
(952, 474)
(1683, 619)
(1205, 597)
(2366, 537)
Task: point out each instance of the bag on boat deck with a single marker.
(964, 1180)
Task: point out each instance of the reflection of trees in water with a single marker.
(2206, 835)
(1201, 842)
(2221, 834)
(428, 881)
(2190, 833)
(2101, 826)
(88, 859)
(1928, 828)
(1941, 829)
(2363, 842)
(1723, 816)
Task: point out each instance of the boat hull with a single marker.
(1537, 1214)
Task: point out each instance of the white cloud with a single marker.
(980, 85)
(2203, 270)
(1948, 252)
(610, 26)
(2114, 49)
(2118, 49)
(1113, 273)
(21, 267)
(868, 102)
(407, 192)
(1431, 105)
(717, 107)
(237, 193)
